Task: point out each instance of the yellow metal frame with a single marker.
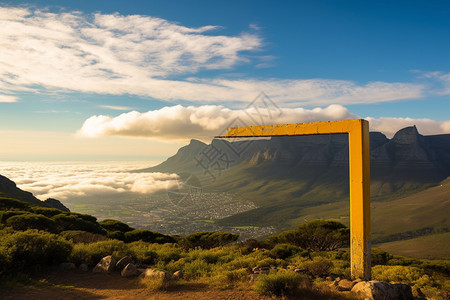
(359, 161)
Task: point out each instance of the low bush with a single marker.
(279, 284)
(283, 251)
(46, 211)
(148, 236)
(319, 266)
(208, 239)
(29, 250)
(91, 254)
(403, 274)
(114, 225)
(79, 236)
(31, 221)
(72, 221)
(379, 257)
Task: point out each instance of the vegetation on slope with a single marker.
(205, 257)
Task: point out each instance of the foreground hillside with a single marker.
(306, 263)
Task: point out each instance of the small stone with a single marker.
(178, 275)
(106, 265)
(123, 262)
(129, 270)
(67, 266)
(345, 285)
(329, 278)
(156, 274)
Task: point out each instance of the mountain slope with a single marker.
(10, 189)
(284, 176)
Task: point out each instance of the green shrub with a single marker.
(114, 225)
(279, 284)
(116, 235)
(248, 246)
(79, 236)
(318, 235)
(148, 236)
(142, 252)
(5, 215)
(283, 251)
(319, 266)
(208, 239)
(403, 274)
(31, 221)
(91, 254)
(26, 251)
(196, 268)
(380, 257)
(72, 221)
(46, 211)
(7, 203)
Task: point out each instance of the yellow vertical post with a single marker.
(359, 161)
(359, 164)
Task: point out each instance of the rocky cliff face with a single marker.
(408, 160)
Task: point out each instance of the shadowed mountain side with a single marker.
(10, 189)
(284, 175)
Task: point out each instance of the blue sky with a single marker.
(89, 80)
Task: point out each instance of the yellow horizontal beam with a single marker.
(328, 127)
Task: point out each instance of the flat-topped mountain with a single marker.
(284, 175)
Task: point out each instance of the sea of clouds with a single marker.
(63, 180)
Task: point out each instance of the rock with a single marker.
(67, 266)
(83, 267)
(106, 265)
(123, 262)
(178, 275)
(129, 270)
(377, 290)
(345, 285)
(329, 278)
(156, 274)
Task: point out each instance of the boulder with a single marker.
(123, 262)
(345, 285)
(106, 265)
(156, 274)
(67, 266)
(178, 275)
(83, 267)
(377, 290)
(129, 270)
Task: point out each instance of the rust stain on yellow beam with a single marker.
(359, 164)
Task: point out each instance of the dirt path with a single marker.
(68, 286)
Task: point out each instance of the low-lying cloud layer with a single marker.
(153, 57)
(65, 180)
(205, 122)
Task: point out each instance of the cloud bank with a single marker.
(65, 180)
(205, 122)
(153, 57)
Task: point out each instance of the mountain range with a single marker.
(293, 179)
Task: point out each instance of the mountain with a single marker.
(10, 189)
(289, 176)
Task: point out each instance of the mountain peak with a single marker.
(407, 135)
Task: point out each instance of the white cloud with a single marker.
(8, 99)
(203, 122)
(389, 126)
(65, 180)
(113, 107)
(140, 55)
